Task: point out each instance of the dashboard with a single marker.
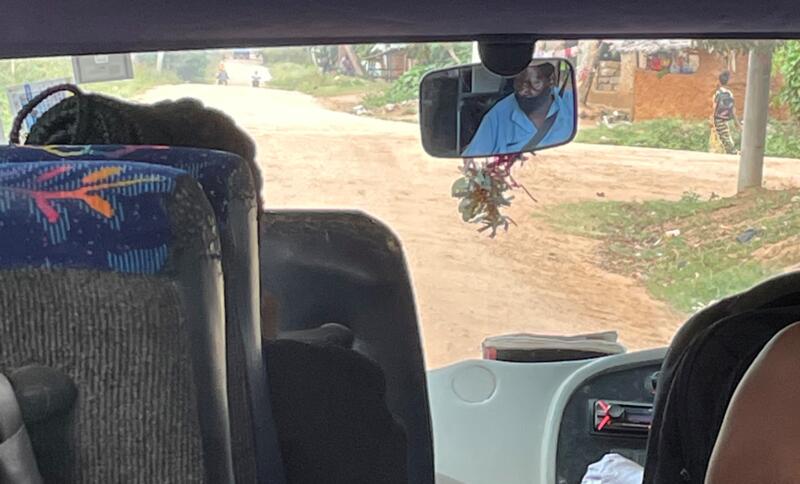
(610, 412)
(539, 423)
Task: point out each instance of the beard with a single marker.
(529, 104)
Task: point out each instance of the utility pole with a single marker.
(588, 60)
(756, 114)
(354, 60)
(160, 61)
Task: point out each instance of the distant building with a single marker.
(652, 79)
(387, 61)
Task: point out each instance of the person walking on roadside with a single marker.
(222, 77)
(724, 113)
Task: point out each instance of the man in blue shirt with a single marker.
(514, 121)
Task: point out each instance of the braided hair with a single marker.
(84, 119)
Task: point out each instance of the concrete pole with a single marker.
(159, 61)
(588, 57)
(756, 113)
(354, 60)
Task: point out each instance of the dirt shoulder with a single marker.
(407, 111)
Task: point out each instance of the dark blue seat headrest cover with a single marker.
(212, 168)
(101, 215)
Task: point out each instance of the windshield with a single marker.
(641, 221)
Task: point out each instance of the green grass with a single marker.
(28, 70)
(705, 262)
(783, 137)
(145, 77)
(663, 133)
(310, 80)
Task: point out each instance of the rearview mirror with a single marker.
(469, 112)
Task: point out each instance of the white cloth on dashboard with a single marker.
(604, 342)
(614, 469)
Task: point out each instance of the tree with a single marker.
(350, 54)
(190, 66)
(787, 63)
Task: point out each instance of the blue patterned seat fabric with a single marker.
(212, 168)
(101, 215)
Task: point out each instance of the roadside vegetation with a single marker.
(783, 138)
(298, 69)
(404, 88)
(294, 68)
(694, 250)
(18, 72)
(307, 78)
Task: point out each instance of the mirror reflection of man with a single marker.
(536, 114)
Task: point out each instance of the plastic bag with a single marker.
(613, 469)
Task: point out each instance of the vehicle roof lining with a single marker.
(44, 27)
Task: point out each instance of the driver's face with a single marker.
(530, 82)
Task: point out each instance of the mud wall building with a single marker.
(667, 79)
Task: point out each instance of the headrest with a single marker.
(224, 175)
(112, 216)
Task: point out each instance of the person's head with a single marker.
(724, 77)
(533, 87)
(535, 80)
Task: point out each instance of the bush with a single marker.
(190, 66)
(405, 88)
(38, 69)
(289, 75)
(29, 70)
(146, 58)
(294, 55)
(145, 77)
(787, 61)
(310, 80)
(783, 139)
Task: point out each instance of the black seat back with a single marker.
(703, 366)
(110, 273)
(346, 268)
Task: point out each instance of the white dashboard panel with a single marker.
(497, 422)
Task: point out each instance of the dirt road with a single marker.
(468, 286)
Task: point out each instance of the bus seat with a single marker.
(229, 185)
(759, 438)
(347, 268)
(707, 358)
(110, 273)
